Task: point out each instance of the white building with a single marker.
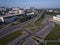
(21, 11)
(2, 9)
(16, 11)
(32, 13)
(1, 19)
(50, 11)
(9, 19)
(15, 8)
(12, 12)
(56, 18)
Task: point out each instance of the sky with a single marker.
(31, 3)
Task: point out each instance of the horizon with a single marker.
(31, 3)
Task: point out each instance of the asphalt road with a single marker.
(17, 40)
(12, 29)
(42, 33)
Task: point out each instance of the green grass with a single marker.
(33, 29)
(41, 44)
(53, 43)
(38, 22)
(10, 37)
(55, 33)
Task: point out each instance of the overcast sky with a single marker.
(30, 3)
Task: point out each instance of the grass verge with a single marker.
(53, 43)
(38, 22)
(29, 25)
(55, 33)
(10, 37)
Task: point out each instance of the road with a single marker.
(42, 34)
(17, 40)
(30, 41)
(12, 29)
(46, 20)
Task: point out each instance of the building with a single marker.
(28, 10)
(56, 11)
(32, 13)
(21, 11)
(50, 10)
(10, 18)
(1, 19)
(2, 10)
(16, 11)
(56, 18)
(7, 19)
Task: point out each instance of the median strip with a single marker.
(10, 37)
